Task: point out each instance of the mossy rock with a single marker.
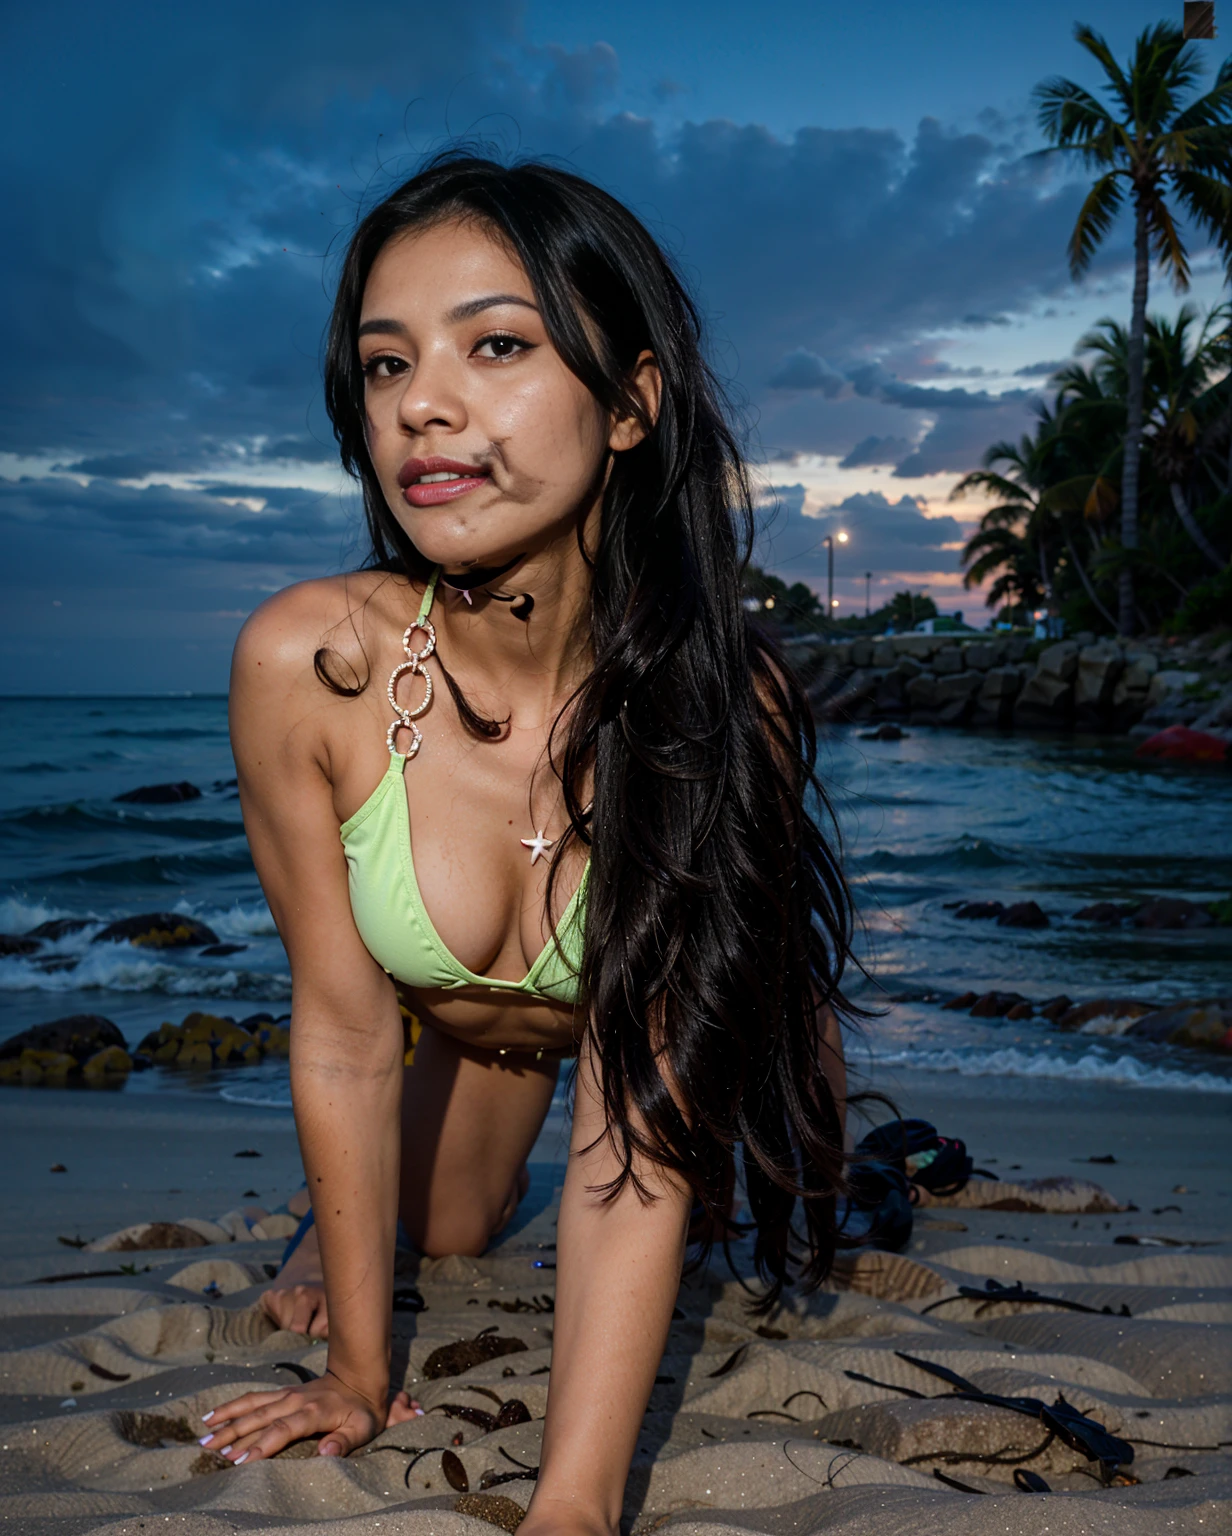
(111, 1062)
(195, 1053)
(47, 1067)
(78, 1035)
(274, 1040)
(157, 930)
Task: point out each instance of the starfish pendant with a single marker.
(538, 845)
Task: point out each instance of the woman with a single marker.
(614, 856)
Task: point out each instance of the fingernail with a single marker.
(205, 1440)
(329, 1450)
(206, 1417)
(419, 1413)
(240, 1460)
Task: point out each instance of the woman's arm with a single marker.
(616, 1285)
(346, 1036)
(619, 1271)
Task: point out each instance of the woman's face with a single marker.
(485, 444)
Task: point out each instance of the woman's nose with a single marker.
(433, 397)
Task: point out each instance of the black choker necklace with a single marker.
(523, 604)
(469, 580)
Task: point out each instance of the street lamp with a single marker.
(868, 593)
(829, 543)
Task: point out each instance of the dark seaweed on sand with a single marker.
(453, 1359)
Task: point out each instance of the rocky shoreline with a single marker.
(1012, 682)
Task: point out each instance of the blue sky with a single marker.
(844, 185)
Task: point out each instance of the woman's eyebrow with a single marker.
(455, 316)
(473, 307)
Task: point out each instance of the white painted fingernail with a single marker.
(206, 1417)
(419, 1413)
(240, 1460)
(205, 1440)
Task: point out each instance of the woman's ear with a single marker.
(647, 383)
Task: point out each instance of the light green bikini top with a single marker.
(385, 898)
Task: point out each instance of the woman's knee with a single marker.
(464, 1223)
(464, 1232)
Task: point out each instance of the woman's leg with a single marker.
(469, 1120)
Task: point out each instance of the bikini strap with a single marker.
(404, 719)
(429, 593)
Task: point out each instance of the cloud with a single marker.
(1041, 370)
(803, 369)
(876, 450)
(957, 440)
(179, 182)
(883, 536)
(295, 529)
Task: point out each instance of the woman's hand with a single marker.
(298, 1309)
(262, 1423)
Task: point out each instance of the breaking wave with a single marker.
(1093, 1067)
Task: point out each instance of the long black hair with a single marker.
(718, 922)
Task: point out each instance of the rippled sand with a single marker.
(755, 1426)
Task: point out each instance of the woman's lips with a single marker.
(441, 490)
(438, 489)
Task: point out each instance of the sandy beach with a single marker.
(809, 1420)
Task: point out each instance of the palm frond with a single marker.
(1068, 114)
(1165, 238)
(1209, 110)
(1095, 218)
(1090, 39)
(1209, 203)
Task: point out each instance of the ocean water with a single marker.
(932, 819)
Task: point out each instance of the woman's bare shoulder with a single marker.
(343, 614)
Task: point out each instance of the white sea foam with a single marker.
(109, 967)
(18, 916)
(234, 922)
(1093, 1067)
(273, 1097)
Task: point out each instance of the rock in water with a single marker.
(995, 1005)
(110, 1064)
(1106, 912)
(1207, 1025)
(80, 1035)
(59, 928)
(885, 732)
(157, 930)
(1113, 1009)
(1172, 912)
(980, 910)
(17, 944)
(160, 794)
(1023, 914)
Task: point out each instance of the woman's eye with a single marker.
(383, 366)
(499, 347)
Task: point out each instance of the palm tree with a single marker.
(1012, 540)
(1150, 145)
(1180, 384)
